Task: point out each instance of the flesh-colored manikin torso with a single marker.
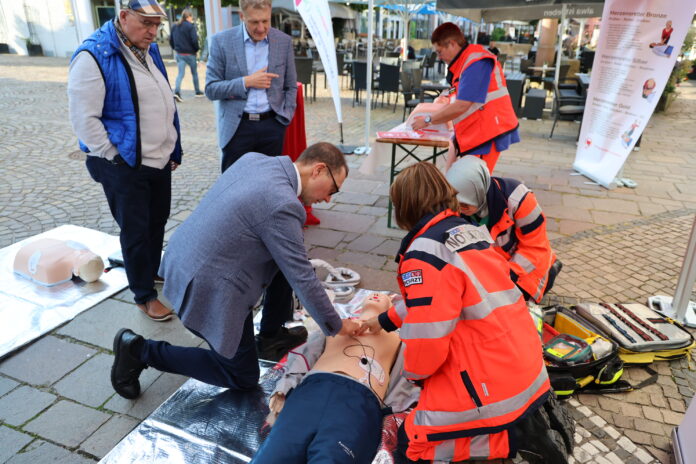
(344, 353)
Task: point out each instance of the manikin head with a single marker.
(88, 266)
(323, 170)
(448, 40)
(256, 15)
(374, 304)
(140, 20)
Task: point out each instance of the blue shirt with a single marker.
(473, 87)
(256, 54)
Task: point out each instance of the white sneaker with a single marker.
(178, 98)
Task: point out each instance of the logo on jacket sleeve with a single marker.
(412, 277)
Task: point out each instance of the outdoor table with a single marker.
(584, 82)
(543, 69)
(433, 86)
(439, 148)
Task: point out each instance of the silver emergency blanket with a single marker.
(29, 310)
(201, 424)
(204, 424)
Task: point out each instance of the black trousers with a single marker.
(241, 372)
(265, 137)
(139, 200)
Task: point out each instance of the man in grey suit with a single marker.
(221, 258)
(251, 74)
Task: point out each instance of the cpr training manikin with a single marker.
(51, 262)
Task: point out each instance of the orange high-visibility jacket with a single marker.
(469, 339)
(518, 227)
(482, 122)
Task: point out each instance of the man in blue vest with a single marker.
(122, 109)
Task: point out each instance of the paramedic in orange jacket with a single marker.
(510, 212)
(470, 341)
(480, 107)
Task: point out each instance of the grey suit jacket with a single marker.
(227, 69)
(227, 251)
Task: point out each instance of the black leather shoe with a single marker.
(126, 368)
(274, 348)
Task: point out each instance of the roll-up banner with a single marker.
(317, 18)
(639, 42)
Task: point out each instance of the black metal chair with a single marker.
(412, 91)
(566, 109)
(303, 67)
(388, 81)
(359, 79)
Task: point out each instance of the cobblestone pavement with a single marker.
(56, 402)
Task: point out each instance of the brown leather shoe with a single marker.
(155, 310)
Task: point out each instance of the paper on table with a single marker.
(437, 132)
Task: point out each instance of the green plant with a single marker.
(498, 34)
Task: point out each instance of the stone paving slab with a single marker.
(11, 442)
(45, 361)
(108, 435)
(112, 315)
(41, 451)
(22, 404)
(84, 386)
(67, 423)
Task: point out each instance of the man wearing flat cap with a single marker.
(123, 112)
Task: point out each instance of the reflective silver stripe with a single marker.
(401, 309)
(522, 260)
(540, 287)
(480, 447)
(515, 198)
(445, 451)
(411, 375)
(490, 96)
(512, 404)
(503, 239)
(496, 74)
(439, 329)
(476, 56)
(529, 218)
(490, 303)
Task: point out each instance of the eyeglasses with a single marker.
(333, 179)
(145, 23)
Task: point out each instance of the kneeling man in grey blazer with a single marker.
(217, 263)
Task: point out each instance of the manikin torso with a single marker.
(366, 355)
(50, 262)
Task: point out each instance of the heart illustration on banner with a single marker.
(297, 2)
(588, 142)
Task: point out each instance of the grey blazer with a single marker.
(227, 69)
(227, 251)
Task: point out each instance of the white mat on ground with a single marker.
(29, 310)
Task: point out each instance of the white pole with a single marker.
(368, 92)
(561, 28)
(580, 36)
(687, 278)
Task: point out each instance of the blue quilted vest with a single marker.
(120, 112)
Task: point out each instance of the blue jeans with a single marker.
(182, 61)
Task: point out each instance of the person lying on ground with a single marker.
(329, 405)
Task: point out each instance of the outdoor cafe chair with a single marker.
(412, 91)
(566, 109)
(388, 81)
(303, 67)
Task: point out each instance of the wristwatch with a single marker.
(427, 119)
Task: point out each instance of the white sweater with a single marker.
(86, 91)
